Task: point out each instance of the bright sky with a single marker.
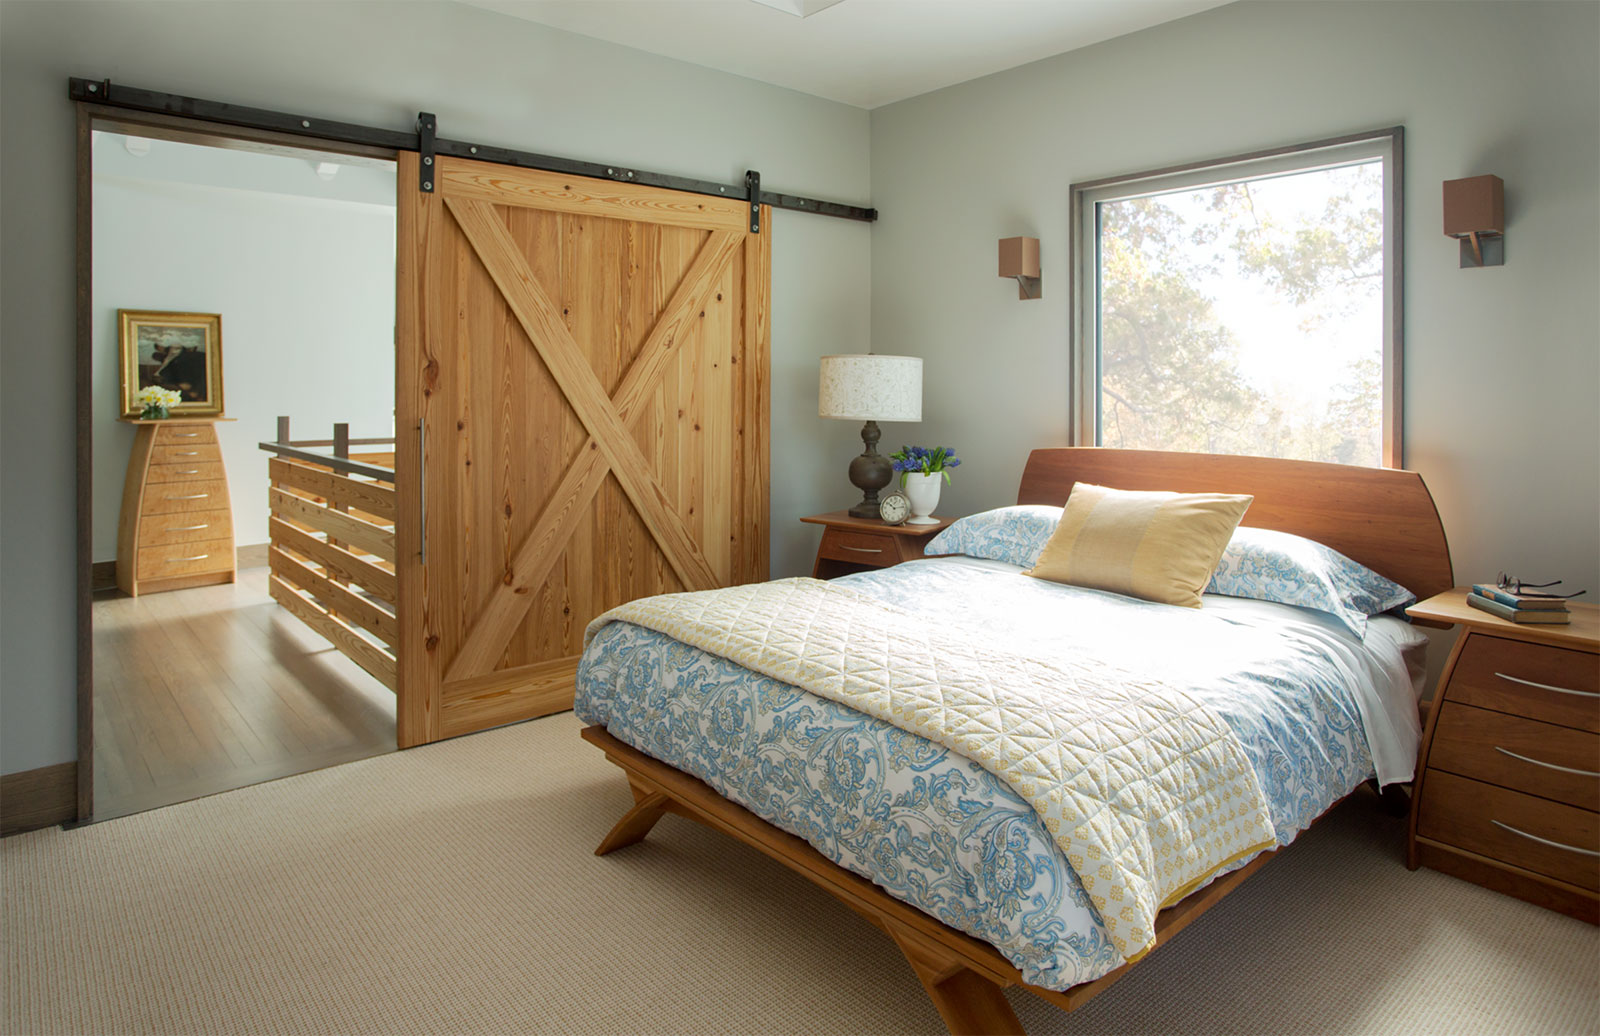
(1299, 366)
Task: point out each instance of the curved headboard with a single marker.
(1382, 517)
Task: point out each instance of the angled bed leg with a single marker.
(968, 1002)
(648, 807)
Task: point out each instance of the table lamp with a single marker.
(871, 388)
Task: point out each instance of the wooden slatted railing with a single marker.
(331, 556)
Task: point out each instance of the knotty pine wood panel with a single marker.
(642, 324)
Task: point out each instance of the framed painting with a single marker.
(181, 352)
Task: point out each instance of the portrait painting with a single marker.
(181, 352)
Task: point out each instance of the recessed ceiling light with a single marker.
(799, 8)
(137, 146)
(328, 170)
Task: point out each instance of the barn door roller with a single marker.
(426, 122)
(424, 139)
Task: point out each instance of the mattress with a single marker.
(1316, 710)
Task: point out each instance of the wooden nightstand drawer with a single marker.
(177, 497)
(1526, 755)
(1556, 685)
(185, 434)
(1533, 833)
(865, 548)
(185, 472)
(183, 559)
(198, 453)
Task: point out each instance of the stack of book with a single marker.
(1520, 606)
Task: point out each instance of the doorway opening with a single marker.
(254, 282)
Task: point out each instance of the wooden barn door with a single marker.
(582, 418)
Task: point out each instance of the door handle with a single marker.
(422, 485)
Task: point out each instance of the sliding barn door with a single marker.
(582, 420)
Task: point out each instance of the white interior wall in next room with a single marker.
(489, 78)
(300, 268)
(1502, 364)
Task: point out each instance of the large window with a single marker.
(1246, 306)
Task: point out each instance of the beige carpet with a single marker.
(452, 889)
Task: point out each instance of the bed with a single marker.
(970, 878)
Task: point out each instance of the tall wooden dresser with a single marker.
(177, 525)
(1507, 792)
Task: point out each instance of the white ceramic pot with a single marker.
(923, 492)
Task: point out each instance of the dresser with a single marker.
(1507, 793)
(851, 544)
(176, 529)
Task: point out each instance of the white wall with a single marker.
(304, 284)
(1502, 365)
(489, 78)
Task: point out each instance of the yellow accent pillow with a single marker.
(1156, 546)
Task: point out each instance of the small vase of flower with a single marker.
(920, 469)
(156, 403)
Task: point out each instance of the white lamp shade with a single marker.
(869, 387)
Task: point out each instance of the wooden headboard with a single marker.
(1382, 517)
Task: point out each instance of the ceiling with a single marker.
(862, 52)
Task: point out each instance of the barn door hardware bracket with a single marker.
(427, 126)
(752, 187)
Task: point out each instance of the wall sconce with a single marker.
(1475, 212)
(1019, 258)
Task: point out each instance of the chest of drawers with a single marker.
(1507, 793)
(176, 528)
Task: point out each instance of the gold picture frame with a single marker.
(179, 351)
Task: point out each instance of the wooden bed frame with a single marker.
(1383, 518)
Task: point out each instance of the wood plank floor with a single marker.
(203, 690)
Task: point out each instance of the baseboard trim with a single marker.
(38, 798)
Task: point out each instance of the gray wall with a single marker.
(489, 78)
(1502, 365)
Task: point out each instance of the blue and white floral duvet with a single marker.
(1311, 704)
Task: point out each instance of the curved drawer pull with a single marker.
(190, 471)
(191, 496)
(862, 550)
(1540, 762)
(1548, 687)
(184, 435)
(188, 453)
(192, 528)
(1546, 841)
(197, 557)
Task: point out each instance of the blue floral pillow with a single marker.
(1014, 535)
(1278, 566)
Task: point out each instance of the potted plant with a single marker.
(156, 402)
(920, 468)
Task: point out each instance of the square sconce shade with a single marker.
(1476, 205)
(1019, 257)
(870, 387)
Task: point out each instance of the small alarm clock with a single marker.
(894, 508)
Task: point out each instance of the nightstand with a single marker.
(1507, 793)
(859, 544)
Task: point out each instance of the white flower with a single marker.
(155, 395)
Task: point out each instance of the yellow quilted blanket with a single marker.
(1147, 793)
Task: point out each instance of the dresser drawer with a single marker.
(1538, 758)
(183, 472)
(184, 527)
(185, 559)
(863, 548)
(177, 497)
(1556, 685)
(185, 434)
(197, 453)
(1533, 833)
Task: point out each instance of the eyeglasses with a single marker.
(1517, 586)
